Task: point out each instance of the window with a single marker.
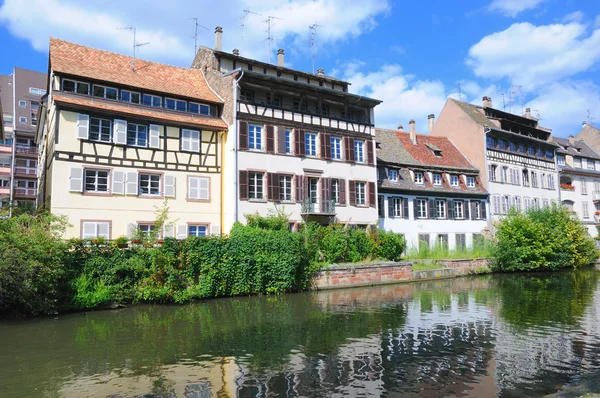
(393, 175)
(515, 176)
(201, 109)
(536, 203)
(310, 144)
(454, 181)
(246, 95)
(335, 191)
(254, 137)
(198, 188)
(577, 162)
(196, 230)
(442, 241)
(459, 209)
(358, 151)
(476, 210)
(470, 182)
(540, 153)
(421, 208)
(96, 180)
(137, 134)
(105, 92)
(129, 96)
(380, 206)
(423, 241)
(512, 146)
(22, 103)
(100, 130)
(152, 100)
(76, 87)
(299, 105)
(522, 148)
(361, 198)
(255, 185)
(505, 204)
(492, 172)
(397, 207)
(437, 179)
(336, 148)
(545, 202)
(36, 91)
(285, 188)
(275, 101)
(22, 119)
(190, 140)
(560, 160)
(146, 229)
(526, 203)
(96, 229)
(550, 181)
(590, 164)
(586, 210)
(549, 155)
(461, 241)
(531, 151)
(149, 184)
(491, 143)
(440, 208)
(418, 177)
(4, 182)
(517, 202)
(176, 105)
(534, 179)
(324, 110)
(583, 186)
(501, 144)
(288, 142)
(504, 174)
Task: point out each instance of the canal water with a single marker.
(493, 335)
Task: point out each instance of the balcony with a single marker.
(5, 149)
(4, 170)
(27, 193)
(322, 207)
(26, 172)
(26, 150)
(4, 192)
(596, 196)
(566, 187)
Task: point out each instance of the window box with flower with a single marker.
(567, 187)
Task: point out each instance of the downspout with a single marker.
(486, 130)
(12, 175)
(235, 145)
(222, 215)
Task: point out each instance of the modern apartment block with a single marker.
(20, 94)
(590, 134)
(429, 191)
(297, 142)
(120, 135)
(515, 153)
(579, 168)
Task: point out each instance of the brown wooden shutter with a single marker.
(391, 200)
(352, 191)
(270, 139)
(273, 184)
(269, 193)
(299, 188)
(342, 191)
(243, 184)
(281, 140)
(325, 146)
(301, 150)
(326, 188)
(370, 153)
(243, 134)
(349, 149)
(372, 194)
(305, 188)
(405, 204)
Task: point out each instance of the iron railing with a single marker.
(323, 206)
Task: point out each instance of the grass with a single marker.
(441, 253)
(425, 266)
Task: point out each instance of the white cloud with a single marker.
(532, 56)
(512, 8)
(576, 16)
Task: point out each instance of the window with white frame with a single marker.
(22, 119)
(130, 96)
(361, 194)
(476, 210)
(504, 174)
(175, 104)
(255, 185)
(96, 180)
(492, 172)
(288, 142)
(323, 110)
(197, 230)
(36, 91)
(298, 105)
(198, 188)
(526, 203)
(146, 229)
(583, 186)
(437, 179)
(255, 137)
(536, 203)
(597, 162)
(517, 202)
(22, 103)
(560, 160)
(152, 100)
(275, 101)
(459, 209)
(470, 182)
(454, 181)
(534, 180)
(190, 140)
(100, 130)
(285, 188)
(310, 143)
(105, 92)
(586, 210)
(545, 202)
(543, 180)
(551, 181)
(393, 175)
(95, 229)
(335, 191)
(505, 204)
(246, 95)
(440, 208)
(336, 148)
(419, 177)
(137, 134)
(421, 208)
(201, 109)
(149, 184)
(73, 86)
(577, 162)
(359, 155)
(397, 207)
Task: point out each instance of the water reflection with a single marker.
(494, 335)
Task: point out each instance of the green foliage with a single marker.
(276, 220)
(550, 238)
(481, 248)
(389, 245)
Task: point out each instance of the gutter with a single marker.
(486, 130)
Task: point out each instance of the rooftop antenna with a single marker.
(513, 95)
(243, 24)
(590, 118)
(135, 45)
(196, 34)
(459, 91)
(313, 33)
(538, 116)
(269, 39)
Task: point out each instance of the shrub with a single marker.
(390, 246)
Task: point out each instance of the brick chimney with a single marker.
(430, 122)
(487, 102)
(219, 38)
(320, 72)
(280, 59)
(400, 127)
(413, 131)
(571, 139)
(236, 52)
(528, 113)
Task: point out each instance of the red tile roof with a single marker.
(78, 60)
(451, 156)
(189, 119)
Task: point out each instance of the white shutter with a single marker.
(103, 230)
(169, 186)
(131, 187)
(168, 230)
(118, 183)
(76, 179)
(130, 230)
(195, 141)
(215, 230)
(185, 140)
(193, 188)
(83, 126)
(203, 189)
(182, 231)
(154, 141)
(120, 131)
(88, 230)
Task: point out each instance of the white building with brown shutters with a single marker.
(297, 142)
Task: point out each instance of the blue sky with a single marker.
(413, 55)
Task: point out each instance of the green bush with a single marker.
(390, 246)
(549, 238)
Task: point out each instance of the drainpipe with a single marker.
(12, 175)
(486, 130)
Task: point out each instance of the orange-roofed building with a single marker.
(118, 136)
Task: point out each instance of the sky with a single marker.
(412, 55)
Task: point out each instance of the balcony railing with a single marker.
(26, 150)
(309, 206)
(4, 191)
(26, 192)
(4, 169)
(28, 171)
(5, 148)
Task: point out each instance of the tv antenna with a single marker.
(269, 39)
(243, 19)
(515, 94)
(196, 34)
(135, 45)
(313, 34)
(459, 91)
(590, 118)
(538, 116)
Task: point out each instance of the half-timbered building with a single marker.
(429, 191)
(298, 142)
(516, 154)
(121, 135)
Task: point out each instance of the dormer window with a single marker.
(175, 105)
(437, 153)
(393, 175)
(577, 162)
(201, 109)
(501, 144)
(72, 86)
(418, 177)
(470, 182)
(560, 160)
(454, 181)
(152, 100)
(437, 179)
(105, 92)
(129, 96)
(246, 95)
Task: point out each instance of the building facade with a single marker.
(429, 191)
(579, 168)
(20, 94)
(516, 155)
(590, 134)
(297, 142)
(119, 136)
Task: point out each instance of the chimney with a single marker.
(571, 139)
(413, 132)
(400, 127)
(528, 113)
(218, 38)
(280, 55)
(487, 102)
(320, 72)
(236, 52)
(430, 122)
(583, 123)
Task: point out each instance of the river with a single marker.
(494, 335)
